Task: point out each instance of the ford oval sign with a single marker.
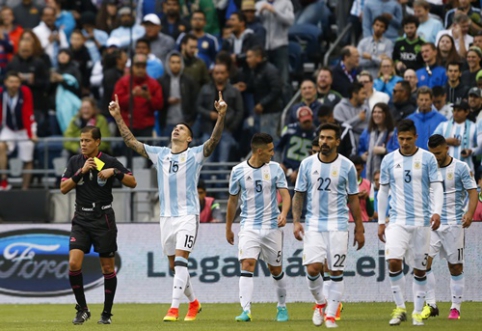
(35, 263)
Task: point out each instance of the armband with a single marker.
(118, 174)
(77, 176)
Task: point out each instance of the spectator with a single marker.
(353, 111)
(373, 96)
(387, 77)
(31, 37)
(193, 66)
(64, 19)
(466, 8)
(295, 142)
(127, 24)
(376, 189)
(81, 58)
(375, 140)
(308, 99)
(406, 52)
(447, 52)
(402, 101)
(390, 9)
(210, 211)
(440, 102)
(456, 91)
(478, 211)
(107, 18)
(429, 27)
(209, 116)
(345, 73)
(95, 39)
(179, 91)
(460, 33)
(18, 127)
(475, 104)
(88, 115)
(27, 14)
(411, 77)
(208, 7)
(108, 61)
(14, 31)
(253, 22)
(373, 49)
(207, 45)
(324, 81)
(432, 74)
(110, 77)
(155, 68)
(478, 40)
(161, 43)
(364, 189)
(147, 95)
(172, 23)
(474, 56)
(51, 38)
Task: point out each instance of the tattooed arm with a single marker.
(126, 134)
(297, 208)
(221, 107)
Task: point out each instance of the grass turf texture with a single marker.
(356, 316)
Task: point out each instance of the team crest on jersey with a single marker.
(450, 176)
(417, 165)
(266, 176)
(182, 158)
(334, 172)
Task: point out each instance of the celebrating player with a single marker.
(408, 174)
(327, 178)
(178, 170)
(448, 240)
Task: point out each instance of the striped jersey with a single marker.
(456, 181)
(409, 179)
(465, 132)
(259, 206)
(327, 186)
(177, 178)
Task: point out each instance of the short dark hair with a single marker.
(455, 63)
(94, 131)
(188, 127)
(381, 19)
(201, 184)
(324, 69)
(145, 41)
(355, 87)
(438, 91)
(188, 37)
(315, 142)
(405, 84)
(436, 140)
(241, 16)
(432, 45)
(258, 50)
(199, 12)
(407, 125)
(12, 73)
(324, 110)
(331, 126)
(356, 159)
(259, 139)
(410, 19)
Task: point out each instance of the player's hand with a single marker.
(106, 174)
(466, 220)
(114, 108)
(435, 221)
(221, 105)
(230, 236)
(381, 232)
(293, 176)
(89, 165)
(359, 237)
(281, 220)
(298, 231)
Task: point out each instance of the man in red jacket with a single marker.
(147, 98)
(18, 126)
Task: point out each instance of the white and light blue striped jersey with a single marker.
(259, 206)
(327, 186)
(177, 178)
(456, 181)
(409, 179)
(465, 132)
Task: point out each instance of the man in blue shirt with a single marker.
(390, 9)
(432, 74)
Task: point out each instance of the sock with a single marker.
(419, 288)
(397, 282)
(280, 283)
(457, 284)
(77, 283)
(326, 285)
(181, 276)
(246, 284)
(337, 288)
(430, 296)
(315, 284)
(110, 285)
(188, 291)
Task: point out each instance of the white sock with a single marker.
(246, 285)
(419, 288)
(337, 288)
(181, 276)
(430, 296)
(280, 283)
(315, 284)
(397, 282)
(188, 291)
(326, 285)
(457, 284)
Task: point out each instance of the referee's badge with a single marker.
(417, 165)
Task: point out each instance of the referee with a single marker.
(92, 174)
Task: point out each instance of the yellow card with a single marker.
(99, 163)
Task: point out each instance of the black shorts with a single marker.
(97, 229)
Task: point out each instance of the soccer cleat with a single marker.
(244, 317)
(330, 322)
(4, 185)
(81, 316)
(318, 314)
(105, 319)
(194, 309)
(399, 315)
(417, 319)
(338, 312)
(429, 311)
(172, 315)
(454, 314)
(282, 314)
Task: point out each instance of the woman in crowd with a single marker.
(447, 52)
(387, 77)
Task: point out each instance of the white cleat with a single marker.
(399, 315)
(417, 319)
(318, 314)
(330, 323)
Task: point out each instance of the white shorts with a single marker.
(266, 245)
(409, 242)
(448, 240)
(331, 246)
(25, 146)
(178, 233)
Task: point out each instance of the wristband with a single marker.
(118, 174)
(77, 176)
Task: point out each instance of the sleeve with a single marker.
(440, 129)
(69, 170)
(301, 180)
(274, 80)
(280, 178)
(119, 166)
(392, 144)
(352, 187)
(234, 186)
(385, 172)
(285, 15)
(199, 153)
(396, 21)
(27, 112)
(367, 21)
(153, 152)
(361, 49)
(468, 181)
(363, 142)
(433, 170)
(396, 51)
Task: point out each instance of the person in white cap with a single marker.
(161, 43)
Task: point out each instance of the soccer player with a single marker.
(448, 240)
(408, 174)
(327, 179)
(92, 174)
(257, 181)
(178, 169)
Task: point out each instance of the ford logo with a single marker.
(35, 263)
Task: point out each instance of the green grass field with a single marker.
(359, 317)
